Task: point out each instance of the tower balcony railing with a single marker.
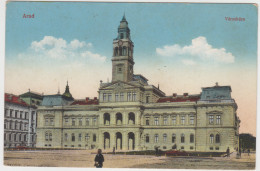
(216, 101)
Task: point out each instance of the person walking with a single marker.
(99, 159)
(228, 152)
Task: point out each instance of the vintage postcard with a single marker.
(159, 85)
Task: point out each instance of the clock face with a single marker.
(120, 43)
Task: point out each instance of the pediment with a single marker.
(119, 85)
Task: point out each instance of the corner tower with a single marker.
(122, 60)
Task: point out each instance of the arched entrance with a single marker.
(131, 141)
(106, 140)
(118, 141)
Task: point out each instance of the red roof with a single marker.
(86, 101)
(14, 99)
(192, 98)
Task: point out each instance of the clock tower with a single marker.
(122, 60)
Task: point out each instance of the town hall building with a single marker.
(131, 114)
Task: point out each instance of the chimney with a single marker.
(185, 94)
(87, 98)
(174, 94)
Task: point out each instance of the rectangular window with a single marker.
(11, 113)
(80, 121)
(218, 121)
(66, 121)
(109, 97)
(121, 97)
(21, 114)
(73, 121)
(211, 119)
(46, 137)
(51, 121)
(156, 138)
(94, 137)
(128, 96)
(27, 115)
(165, 120)
(80, 137)
(192, 119)
(156, 121)
(183, 120)
(87, 121)
(147, 99)
(94, 121)
(16, 114)
(86, 137)
(116, 97)
(46, 121)
(6, 111)
(174, 120)
(147, 121)
(104, 97)
(134, 96)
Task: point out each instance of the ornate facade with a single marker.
(131, 114)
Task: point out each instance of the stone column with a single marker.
(124, 141)
(112, 140)
(137, 140)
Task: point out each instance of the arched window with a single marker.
(147, 138)
(72, 137)
(164, 137)
(191, 138)
(211, 138)
(131, 118)
(124, 51)
(156, 138)
(66, 137)
(119, 119)
(182, 138)
(106, 119)
(173, 138)
(217, 138)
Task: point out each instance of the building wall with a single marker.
(19, 126)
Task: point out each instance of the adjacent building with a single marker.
(131, 114)
(19, 122)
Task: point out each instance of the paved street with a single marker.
(84, 158)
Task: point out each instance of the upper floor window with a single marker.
(192, 119)
(94, 121)
(183, 120)
(121, 97)
(109, 97)
(16, 114)
(165, 120)
(46, 121)
(104, 97)
(147, 121)
(121, 35)
(80, 121)
(6, 112)
(128, 96)
(134, 96)
(66, 120)
(73, 122)
(156, 121)
(116, 97)
(147, 99)
(174, 120)
(218, 120)
(51, 121)
(21, 114)
(87, 121)
(211, 119)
